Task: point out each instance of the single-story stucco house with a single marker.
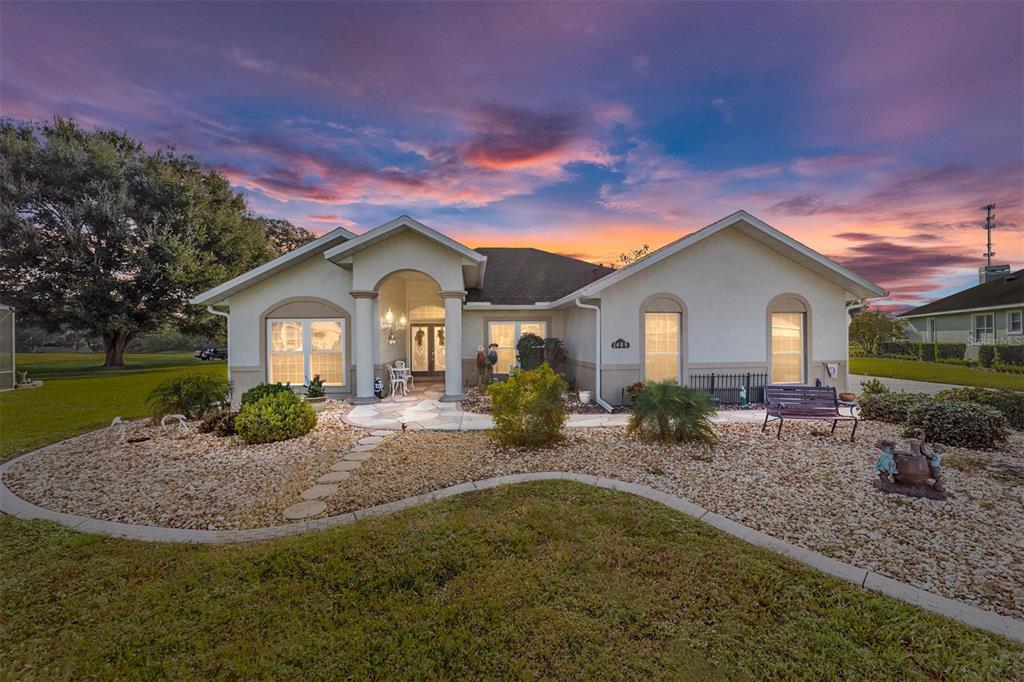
(990, 312)
(736, 296)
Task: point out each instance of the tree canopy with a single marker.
(869, 328)
(99, 234)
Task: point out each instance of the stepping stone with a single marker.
(318, 491)
(370, 440)
(303, 510)
(358, 456)
(334, 477)
(345, 466)
(361, 448)
(382, 434)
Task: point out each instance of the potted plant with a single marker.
(316, 394)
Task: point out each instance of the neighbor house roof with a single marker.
(1002, 292)
(758, 230)
(523, 276)
(220, 293)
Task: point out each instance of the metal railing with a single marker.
(725, 388)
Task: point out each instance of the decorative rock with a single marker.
(319, 491)
(370, 440)
(303, 510)
(334, 477)
(345, 466)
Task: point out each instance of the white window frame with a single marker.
(802, 352)
(978, 333)
(678, 352)
(1020, 321)
(307, 345)
(517, 333)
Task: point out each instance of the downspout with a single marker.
(227, 333)
(597, 358)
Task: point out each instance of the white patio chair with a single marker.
(397, 379)
(405, 371)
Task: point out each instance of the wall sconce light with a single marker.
(387, 322)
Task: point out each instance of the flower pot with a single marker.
(848, 397)
(318, 404)
(585, 397)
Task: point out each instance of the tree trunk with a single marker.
(113, 348)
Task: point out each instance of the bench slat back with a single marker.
(804, 399)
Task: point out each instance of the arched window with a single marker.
(788, 342)
(662, 320)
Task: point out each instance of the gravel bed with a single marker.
(194, 481)
(478, 402)
(810, 489)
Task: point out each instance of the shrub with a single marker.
(635, 389)
(1010, 355)
(193, 395)
(965, 362)
(263, 390)
(928, 352)
(906, 349)
(530, 349)
(1010, 403)
(529, 407)
(220, 423)
(986, 355)
(956, 422)
(873, 387)
(889, 407)
(555, 354)
(1012, 369)
(668, 412)
(950, 351)
(278, 416)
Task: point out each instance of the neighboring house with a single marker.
(991, 312)
(736, 296)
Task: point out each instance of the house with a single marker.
(990, 312)
(736, 296)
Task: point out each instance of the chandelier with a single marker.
(390, 325)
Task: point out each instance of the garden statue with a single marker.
(481, 367)
(378, 387)
(492, 360)
(122, 429)
(907, 472)
(183, 429)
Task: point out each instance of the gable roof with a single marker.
(758, 230)
(402, 223)
(221, 292)
(523, 276)
(1002, 292)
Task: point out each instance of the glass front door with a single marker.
(428, 346)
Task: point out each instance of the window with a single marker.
(984, 327)
(787, 348)
(930, 327)
(1015, 322)
(298, 350)
(661, 346)
(506, 335)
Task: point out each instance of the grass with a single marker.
(934, 371)
(548, 580)
(78, 395)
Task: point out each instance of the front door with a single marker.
(427, 348)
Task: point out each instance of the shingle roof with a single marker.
(1003, 291)
(524, 276)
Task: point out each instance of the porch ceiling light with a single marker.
(388, 321)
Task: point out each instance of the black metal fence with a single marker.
(725, 388)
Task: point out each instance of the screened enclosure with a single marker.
(7, 378)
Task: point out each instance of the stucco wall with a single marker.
(407, 251)
(726, 282)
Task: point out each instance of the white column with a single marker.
(453, 346)
(364, 333)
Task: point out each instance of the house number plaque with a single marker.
(620, 343)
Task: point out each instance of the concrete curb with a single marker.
(1011, 628)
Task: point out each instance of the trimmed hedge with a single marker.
(986, 355)
(1010, 403)
(891, 408)
(956, 422)
(278, 416)
(901, 348)
(263, 390)
(1010, 355)
(928, 352)
(950, 351)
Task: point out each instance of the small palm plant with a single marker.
(668, 412)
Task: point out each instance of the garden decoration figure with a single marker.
(378, 387)
(122, 427)
(183, 428)
(907, 472)
(481, 367)
(492, 360)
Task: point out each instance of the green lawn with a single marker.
(79, 395)
(542, 580)
(935, 371)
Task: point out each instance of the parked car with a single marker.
(212, 354)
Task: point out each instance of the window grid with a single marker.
(298, 350)
(1015, 322)
(661, 346)
(984, 327)
(506, 333)
(787, 348)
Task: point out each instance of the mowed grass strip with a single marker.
(541, 580)
(935, 371)
(79, 395)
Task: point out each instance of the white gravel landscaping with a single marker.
(196, 481)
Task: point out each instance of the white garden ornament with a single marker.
(122, 427)
(183, 428)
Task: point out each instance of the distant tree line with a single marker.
(101, 237)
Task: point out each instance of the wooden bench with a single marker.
(804, 402)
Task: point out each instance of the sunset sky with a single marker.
(871, 132)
